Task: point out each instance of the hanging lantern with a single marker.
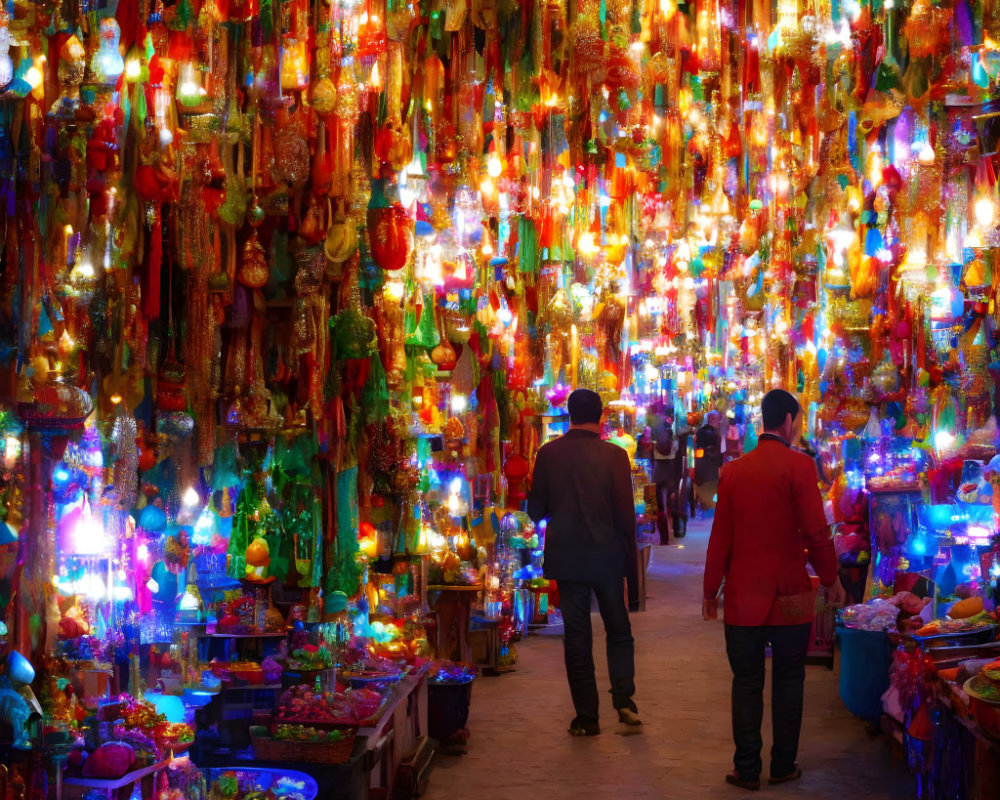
(390, 234)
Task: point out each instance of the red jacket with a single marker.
(769, 522)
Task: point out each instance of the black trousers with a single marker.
(746, 647)
(578, 641)
(669, 500)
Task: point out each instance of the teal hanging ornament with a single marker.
(370, 276)
(225, 473)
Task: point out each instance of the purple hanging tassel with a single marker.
(963, 23)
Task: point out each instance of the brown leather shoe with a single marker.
(794, 775)
(733, 779)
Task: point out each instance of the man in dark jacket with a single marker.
(584, 487)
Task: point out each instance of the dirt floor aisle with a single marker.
(519, 747)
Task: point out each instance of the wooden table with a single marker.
(454, 612)
(399, 732)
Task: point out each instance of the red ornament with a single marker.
(516, 472)
(390, 234)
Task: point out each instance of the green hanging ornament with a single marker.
(527, 235)
(425, 335)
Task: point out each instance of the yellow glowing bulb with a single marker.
(985, 211)
(376, 78)
(493, 166)
(33, 77)
(394, 291)
(133, 69)
(587, 245)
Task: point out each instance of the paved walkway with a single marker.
(519, 747)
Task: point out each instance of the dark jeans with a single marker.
(746, 647)
(574, 602)
(669, 501)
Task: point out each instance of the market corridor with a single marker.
(519, 746)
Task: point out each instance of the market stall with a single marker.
(291, 292)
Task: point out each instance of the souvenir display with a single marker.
(293, 291)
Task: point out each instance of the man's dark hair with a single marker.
(775, 406)
(585, 407)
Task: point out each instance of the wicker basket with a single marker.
(267, 749)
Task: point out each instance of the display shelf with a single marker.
(455, 587)
(260, 687)
(119, 783)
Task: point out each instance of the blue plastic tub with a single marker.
(864, 671)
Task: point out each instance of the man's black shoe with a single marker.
(579, 727)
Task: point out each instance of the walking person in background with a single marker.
(708, 459)
(669, 467)
(583, 486)
(769, 522)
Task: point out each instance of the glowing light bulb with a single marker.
(394, 291)
(376, 79)
(493, 166)
(86, 269)
(12, 451)
(191, 497)
(89, 537)
(133, 69)
(985, 211)
(943, 440)
(926, 154)
(587, 246)
(458, 403)
(33, 77)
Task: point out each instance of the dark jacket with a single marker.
(584, 487)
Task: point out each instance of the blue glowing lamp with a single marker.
(152, 519)
(171, 706)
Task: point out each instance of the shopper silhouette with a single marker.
(584, 487)
(769, 522)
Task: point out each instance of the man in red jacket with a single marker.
(769, 523)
